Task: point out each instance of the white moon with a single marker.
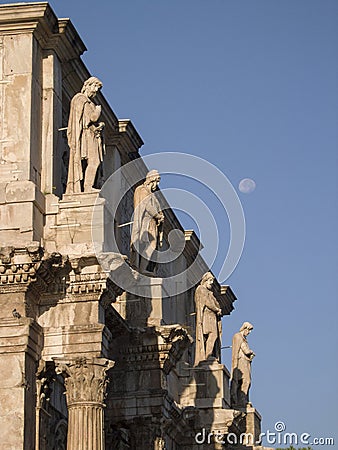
(247, 185)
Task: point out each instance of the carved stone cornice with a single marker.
(21, 267)
(172, 340)
(87, 277)
(86, 283)
(226, 299)
(127, 139)
(51, 32)
(53, 274)
(179, 340)
(195, 245)
(23, 17)
(141, 353)
(17, 273)
(85, 379)
(68, 45)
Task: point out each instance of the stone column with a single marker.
(85, 381)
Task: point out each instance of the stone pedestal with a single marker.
(253, 425)
(144, 307)
(208, 386)
(85, 381)
(76, 219)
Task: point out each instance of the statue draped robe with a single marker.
(145, 231)
(84, 142)
(240, 370)
(206, 320)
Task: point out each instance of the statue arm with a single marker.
(153, 208)
(75, 121)
(212, 303)
(199, 348)
(246, 350)
(199, 303)
(91, 113)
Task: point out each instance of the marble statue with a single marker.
(84, 135)
(146, 236)
(242, 356)
(208, 326)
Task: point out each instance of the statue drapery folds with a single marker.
(208, 323)
(85, 140)
(242, 357)
(147, 231)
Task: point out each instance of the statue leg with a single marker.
(147, 265)
(245, 391)
(233, 392)
(210, 344)
(93, 164)
(90, 177)
(143, 265)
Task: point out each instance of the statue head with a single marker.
(153, 179)
(91, 87)
(207, 280)
(246, 328)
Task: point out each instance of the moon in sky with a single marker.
(247, 185)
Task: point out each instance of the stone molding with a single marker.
(39, 18)
(178, 339)
(127, 137)
(54, 274)
(172, 342)
(21, 266)
(18, 335)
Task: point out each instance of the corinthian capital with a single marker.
(85, 378)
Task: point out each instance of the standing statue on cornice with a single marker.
(242, 356)
(208, 323)
(146, 235)
(84, 135)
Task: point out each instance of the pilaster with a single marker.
(20, 347)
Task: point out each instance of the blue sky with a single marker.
(252, 87)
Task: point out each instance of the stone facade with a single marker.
(84, 363)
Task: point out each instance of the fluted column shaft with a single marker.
(85, 427)
(85, 381)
